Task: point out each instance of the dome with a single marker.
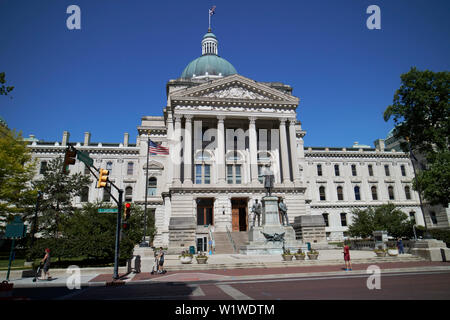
(209, 35)
(211, 64)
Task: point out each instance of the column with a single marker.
(253, 150)
(175, 156)
(284, 152)
(170, 144)
(188, 150)
(292, 138)
(221, 149)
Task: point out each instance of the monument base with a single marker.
(431, 249)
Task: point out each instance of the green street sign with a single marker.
(108, 210)
(16, 229)
(84, 157)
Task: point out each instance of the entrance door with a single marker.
(239, 214)
(205, 214)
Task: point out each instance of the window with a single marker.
(402, 167)
(343, 219)
(319, 169)
(198, 173)
(128, 194)
(357, 193)
(391, 193)
(84, 194)
(207, 169)
(412, 217)
(322, 193)
(229, 174)
(407, 193)
(130, 168)
(374, 193)
(109, 166)
(433, 217)
(325, 218)
(43, 167)
(260, 173)
(152, 184)
(354, 170)
(386, 170)
(234, 174)
(340, 194)
(370, 170)
(106, 195)
(238, 173)
(336, 170)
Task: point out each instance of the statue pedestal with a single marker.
(258, 244)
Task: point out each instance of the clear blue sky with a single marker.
(106, 76)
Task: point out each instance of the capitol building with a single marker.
(223, 130)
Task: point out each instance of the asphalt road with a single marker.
(405, 286)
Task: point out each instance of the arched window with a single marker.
(84, 194)
(391, 193)
(340, 194)
(43, 167)
(130, 168)
(128, 194)
(322, 193)
(357, 193)
(370, 170)
(325, 218)
(374, 193)
(343, 219)
(152, 183)
(407, 193)
(336, 170)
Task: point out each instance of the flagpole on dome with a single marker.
(144, 242)
(210, 13)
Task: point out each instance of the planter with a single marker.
(393, 252)
(287, 257)
(380, 253)
(313, 256)
(299, 257)
(201, 260)
(186, 260)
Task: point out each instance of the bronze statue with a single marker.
(284, 216)
(256, 209)
(268, 180)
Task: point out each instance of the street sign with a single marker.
(15, 229)
(108, 210)
(84, 157)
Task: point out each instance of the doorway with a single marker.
(239, 214)
(205, 211)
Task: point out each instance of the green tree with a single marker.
(58, 190)
(363, 223)
(16, 171)
(421, 112)
(4, 90)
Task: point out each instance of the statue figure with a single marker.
(256, 209)
(268, 180)
(284, 216)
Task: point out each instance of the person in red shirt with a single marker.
(348, 263)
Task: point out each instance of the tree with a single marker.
(58, 190)
(421, 112)
(16, 171)
(386, 217)
(4, 90)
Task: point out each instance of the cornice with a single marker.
(354, 154)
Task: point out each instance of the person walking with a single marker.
(161, 261)
(46, 267)
(348, 263)
(400, 246)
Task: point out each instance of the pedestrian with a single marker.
(400, 246)
(46, 262)
(161, 261)
(348, 263)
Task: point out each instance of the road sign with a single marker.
(15, 229)
(84, 157)
(108, 210)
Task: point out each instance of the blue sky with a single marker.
(106, 76)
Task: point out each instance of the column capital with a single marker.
(292, 121)
(252, 119)
(188, 117)
(283, 121)
(178, 117)
(221, 117)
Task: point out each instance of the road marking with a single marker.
(232, 292)
(198, 292)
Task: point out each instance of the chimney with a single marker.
(65, 138)
(87, 138)
(379, 144)
(126, 137)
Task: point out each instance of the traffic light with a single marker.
(69, 158)
(125, 226)
(127, 211)
(102, 178)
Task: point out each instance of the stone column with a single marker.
(253, 150)
(284, 152)
(221, 149)
(292, 138)
(188, 150)
(175, 156)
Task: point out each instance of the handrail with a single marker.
(231, 240)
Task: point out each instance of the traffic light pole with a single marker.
(119, 218)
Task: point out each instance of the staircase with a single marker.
(224, 244)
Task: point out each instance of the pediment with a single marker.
(153, 165)
(235, 87)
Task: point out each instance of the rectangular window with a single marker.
(386, 170)
(325, 218)
(43, 167)
(354, 170)
(198, 173)
(343, 219)
(402, 167)
(130, 168)
(319, 169)
(207, 174)
(238, 173)
(370, 170)
(260, 174)
(229, 174)
(336, 170)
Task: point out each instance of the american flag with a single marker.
(156, 148)
(211, 11)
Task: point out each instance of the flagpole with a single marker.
(144, 242)
(209, 21)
